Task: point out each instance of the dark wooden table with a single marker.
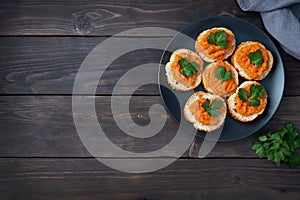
(43, 44)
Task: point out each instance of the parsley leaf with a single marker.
(256, 58)
(227, 76)
(256, 91)
(279, 146)
(294, 160)
(206, 103)
(218, 38)
(222, 74)
(243, 94)
(188, 69)
(183, 62)
(254, 102)
(213, 108)
(216, 104)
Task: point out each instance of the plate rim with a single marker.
(279, 61)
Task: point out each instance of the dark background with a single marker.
(43, 44)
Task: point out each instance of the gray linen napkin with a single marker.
(281, 19)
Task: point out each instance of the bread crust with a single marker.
(202, 52)
(206, 82)
(231, 104)
(190, 117)
(241, 71)
(175, 84)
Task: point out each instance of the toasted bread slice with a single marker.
(208, 58)
(215, 85)
(191, 118)
(175, 84)
(240, 69)
(232, 104)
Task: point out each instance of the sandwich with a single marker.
(184, 70)
(252, 60)
(248, 102)
(206, 111)
(220, 78)
(215, 44)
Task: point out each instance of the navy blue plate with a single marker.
(273, 83)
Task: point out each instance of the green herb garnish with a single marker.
(256, 91)
(213, 108)
(254, 102)
(256, 58)
(222, 74)
(218, 38)
(279, 146)
(243, 94)
(188, 68)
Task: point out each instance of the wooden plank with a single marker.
(185, 179)
(48, 65)
(43, 126)
(38, 65)
(108, 17)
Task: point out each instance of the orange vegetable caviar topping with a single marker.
(212, 50)
(245, 63)
(201, 115)
(220, 87)
(244, 108)
(177, 71)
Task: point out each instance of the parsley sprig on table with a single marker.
(256, 91)
(188, 68)
(213, 108)
(256, 58)
(279, 146)
(222, 74)
(218, 38)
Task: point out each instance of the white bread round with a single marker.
(242, 72)
(207, 57)
(206, 81)
(231, 105)
(175, 84)
(191, 118)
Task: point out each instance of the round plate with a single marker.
(244, 31)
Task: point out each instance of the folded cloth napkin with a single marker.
(281, 19)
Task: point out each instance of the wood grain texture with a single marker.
(185, 179)
(108, 17)
(43, 44)
(41, 65)
(43, 126)
(48, 65)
